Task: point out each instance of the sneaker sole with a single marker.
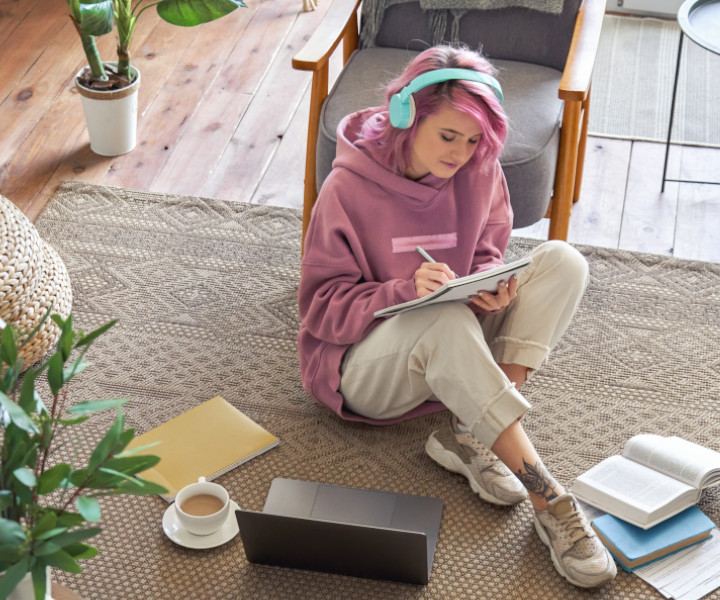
(546, 540)
(451, 462)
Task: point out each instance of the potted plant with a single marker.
(47, 506)
(109, 89)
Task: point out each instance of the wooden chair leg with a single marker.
(318, 93)
(581, 148)
(565, 175)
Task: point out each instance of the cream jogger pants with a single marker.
(446, 352)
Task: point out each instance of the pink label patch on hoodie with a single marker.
(428, 242)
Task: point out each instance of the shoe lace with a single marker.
(574, 525)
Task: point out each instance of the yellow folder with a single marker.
(205, 441)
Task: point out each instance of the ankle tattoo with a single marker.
(538, 480)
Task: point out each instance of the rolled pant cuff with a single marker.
(514, 351)
(502, 411)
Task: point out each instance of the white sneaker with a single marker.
(462, 452)
(576, 551)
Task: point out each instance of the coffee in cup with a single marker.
(202, 507)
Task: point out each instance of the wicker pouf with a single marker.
(32, 279)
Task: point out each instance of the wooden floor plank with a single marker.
(168, 113)
(27, 41)
(286, 169)
(698, 219)
(47, 77)
(649, 215)
(285, 174)
(597, 216)
(268, 117)
(12, 13)
(239, 168)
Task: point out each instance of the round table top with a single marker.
(700, 21)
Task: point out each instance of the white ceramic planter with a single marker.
(24, 589)
(111, 117)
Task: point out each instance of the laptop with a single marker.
(350, 531)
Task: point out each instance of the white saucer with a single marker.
(177, 533)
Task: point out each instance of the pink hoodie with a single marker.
(360, 251)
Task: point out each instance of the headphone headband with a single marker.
(402, 104)
(440, 75)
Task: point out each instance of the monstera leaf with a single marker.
(188, 13)
(96, 17)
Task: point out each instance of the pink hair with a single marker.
(394, 146)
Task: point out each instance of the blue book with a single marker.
(634, 547)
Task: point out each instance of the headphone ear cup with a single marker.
(402, 113)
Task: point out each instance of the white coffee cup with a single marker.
(202, 507)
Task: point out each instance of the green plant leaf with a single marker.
(6, 499)
(107, 444)
(140, 487)
(138, 449)
(68, 519)
(92, 406)
(55, 373)
(89, 508)
(124, 439)
(13, 575)
(8, 346)
(81, 551)
(44, 524)
(188, 13)
(51, 533)
(88, 339)
(114, 473)
(25, 476)
(52, 478)
(39, 580)
(72, 537)
(27, 392)
(75, 368)
(10, 554)
(45, 548)
(62, 560)
(17, 415)
(130, 465)
(10, 532)
(70, 422)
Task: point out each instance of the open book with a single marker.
(460, 289)
(655, 478)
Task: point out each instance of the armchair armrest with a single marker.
(575, 83)
(339, 23)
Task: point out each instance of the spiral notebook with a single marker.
(206, 441)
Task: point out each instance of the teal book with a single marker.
(634, 547)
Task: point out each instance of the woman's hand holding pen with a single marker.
(430, 276)
(492, 303)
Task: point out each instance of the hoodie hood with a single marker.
(356, 155)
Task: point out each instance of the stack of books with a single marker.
(649, 493)
(634, 547)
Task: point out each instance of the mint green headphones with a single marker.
(402, 104)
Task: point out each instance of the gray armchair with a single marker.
(545, 63)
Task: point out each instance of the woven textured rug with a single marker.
(205, 291)
(633, 83)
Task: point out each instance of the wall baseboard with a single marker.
(660, 8)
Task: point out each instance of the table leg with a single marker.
(672, 110)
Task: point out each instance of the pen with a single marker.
(429, 258)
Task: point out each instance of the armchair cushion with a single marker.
(531, 103)
(510, 33)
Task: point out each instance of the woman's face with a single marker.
(443, 143)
